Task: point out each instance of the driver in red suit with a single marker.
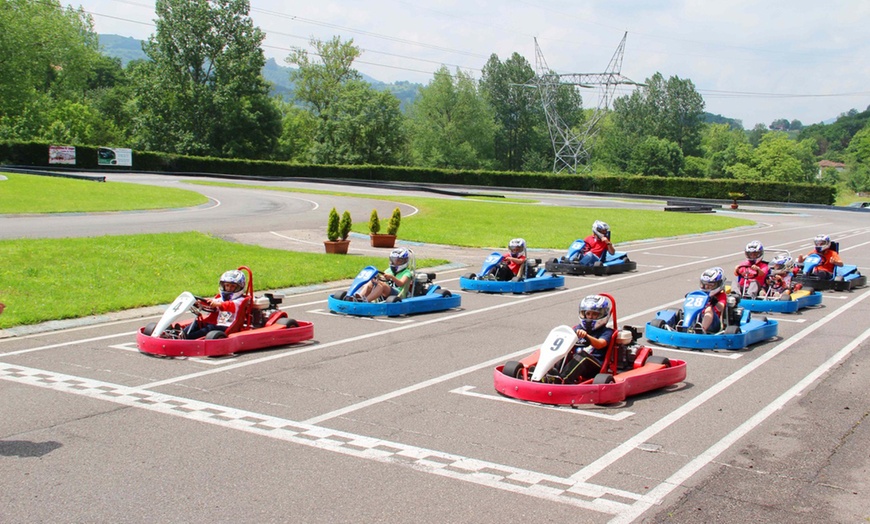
(228, 303)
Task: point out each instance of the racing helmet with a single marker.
(517, 246)
(399, 259)
(782, 261)
(713, 280)
(822, 242)
(754, 251)
(594, 312)
(601, 229)
(232, 284)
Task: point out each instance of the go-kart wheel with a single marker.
(512, 368)
(469, 276)
(657, 323)
(603, 378)
(149, 329)
(340, 296)
(732, 330)
(392, 299)
(445, 293)
(838, 278)
(655, 359)
(288, 322)
(215, 334)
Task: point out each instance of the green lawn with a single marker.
(50, 279)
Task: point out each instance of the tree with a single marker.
(656, 157)
(518, 112)
(778, 159)
(355, 124)
(202, 91)
(451, 125)
(670, 110)
(780, 124)
(47, 55)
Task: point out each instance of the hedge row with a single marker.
(36, 154)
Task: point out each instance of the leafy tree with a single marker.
(780, 124)
(47, 55)
(202, 91)
(517, 110)
(671, 110)
(778, 159)
(451, 125)
(297, 134)
(723, 146)
(355, 124)
(657, 157)
(756, 134)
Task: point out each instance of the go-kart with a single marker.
(558, 374)
(258, 324)
(530, 277)
(844, 278)
(424, 296)
(682, 328)
(609, 264)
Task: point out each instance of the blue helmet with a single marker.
(594, 312)
(601, 229)
(822, 242)
(754, 251)
(517, 246)
(713, 280)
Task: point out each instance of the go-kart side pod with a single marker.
(798, 300)
(436, 299)
(618, 262)
(733, 337)
(282, 332)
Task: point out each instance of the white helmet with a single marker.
(517, 246)
(594, 312)
(713, 280)
(782, 261)
(232, 284)
(399, 259)
(601, 229)
(754, 251)
(822, 242)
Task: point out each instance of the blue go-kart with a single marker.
(609, 264)
(681, 328)
(424, 297)
(844, 278)
(530, 277)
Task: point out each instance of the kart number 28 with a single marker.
(695, 301)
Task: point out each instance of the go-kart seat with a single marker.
(243, 317)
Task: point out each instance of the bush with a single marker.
(395, 220)
(345, 225)
(332, 232)
(374, 223)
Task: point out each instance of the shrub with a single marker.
(395, 220)
(374, 223)
(332, 232)
(345, 225)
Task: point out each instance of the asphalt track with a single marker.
(396, 420)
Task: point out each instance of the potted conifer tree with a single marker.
(337, 232)
(379, 239)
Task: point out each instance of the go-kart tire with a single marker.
(657, 323)
(512, 368)
(445, 293)
(469, 276)
(655, 359)
(603, 378)
(340, 296)
(149, 329)
(215, 334)
(287, 322)
(392, 299)
(838, 278)
(732, 330)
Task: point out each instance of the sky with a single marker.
(755, 61)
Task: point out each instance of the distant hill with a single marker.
(733, 123)
(128, 48)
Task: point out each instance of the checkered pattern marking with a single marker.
(499, 476)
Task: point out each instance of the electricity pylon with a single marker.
(573, 148)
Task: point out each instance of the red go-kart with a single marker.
(258, 324)
(556, 374)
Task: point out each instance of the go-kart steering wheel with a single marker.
(201, 306)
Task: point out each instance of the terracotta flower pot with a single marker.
(338, 247)
(379, 240)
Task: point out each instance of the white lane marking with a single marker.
(489, 474)
(211, 361)
(727, 354)
(665, 422)
(382, 320)
(297, 240)
(676, 480)
(792, 320)
(63, 344)
(467, 391)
